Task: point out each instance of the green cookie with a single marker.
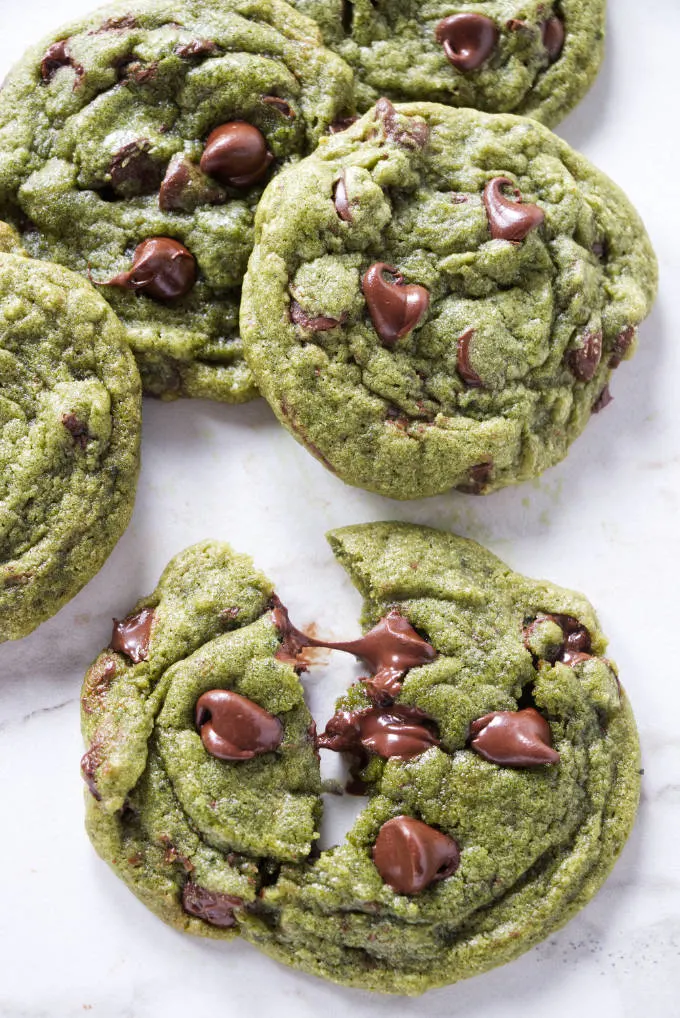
(507, 847)
(103, 127)
(503, 56)
(437, 298)
(70, 418)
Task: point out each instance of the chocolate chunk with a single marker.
(478, 478)
(552, 34)
(395, 308)
(584, 360)
(622, 344)
(78, 430)
(234, 728)
(211, 906)
(236, 154)
(342, 206)
(466, 372)
(576, 645)
(398, 731)
(411, 132)
(133, 171)
(411, 855)
(317, 323)
(161, 268)
(468, 40)
(390, 649)
(603, 400)
(196, 48)
(284, 108)
(341, 124)
(58, 55)
(513, 738)
(185, 187)
(509, 220)
(132, 635)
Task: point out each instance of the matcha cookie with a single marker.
(438, 297)
(495, 746)
(70, 418)
(533, 58)
(134, 145)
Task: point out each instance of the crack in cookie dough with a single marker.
(533, 58)
(501, 784)
(103, 134)
(483, 277)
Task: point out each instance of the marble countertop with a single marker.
(74, 941)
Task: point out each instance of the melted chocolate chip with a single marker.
(468, 40)
(185, 187)
(236, 154)
(466, 372)
(133, 171)
(411, 855)
(622, 344)
(196, 48)
(117, 24)
(585, 359)
(211, 906)
(88, 768)
(390, 649)
(552, 35)
(603, 400)
(514, 738)
(478, 478)
(138, 72)
(78, 430)
(341, 124)
(317, 323)
(509, 220)
(411, 132)
(282, 107)
(234, 728)
(58, 55)
(395, 308)
(341, 201)
(576, 645)
(398, 731)
(161, 268)
(132, 635)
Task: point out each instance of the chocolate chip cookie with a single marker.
(437, 298)
(134, 145)
(492, 740)
(70, 418)
(533, 58)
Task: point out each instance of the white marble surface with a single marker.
(74, 941)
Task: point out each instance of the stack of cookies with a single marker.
(355, 209)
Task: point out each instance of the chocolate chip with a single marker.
(341, 124)
(58, 55)
(78, 430)
(185, 187)
(236, 154)
(584, 360)
(317, 323)
(398, 731)
(342, 206)
(284, 108)
(478, 478)
(89, 765)
(411, 855)
(514, 738)
(234, 728)
(622, 344)
(395, 308)
(411, 132)
(117, 24)
(603, 400)
(161, 268)
(132, 635)
(133, 171)
(211, 906)
(139, 73)
(466, 372)
(509, 220)
(552, 35)
(468, 40)
(196, 48)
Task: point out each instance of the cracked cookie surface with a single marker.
(438, 297)
(104, 127)
(221, 844)
(70, 420)
(533, 57)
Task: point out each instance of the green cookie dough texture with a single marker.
(87, 134)
(535, 844)
(402, 420)
(70, 419)
(392, 46)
